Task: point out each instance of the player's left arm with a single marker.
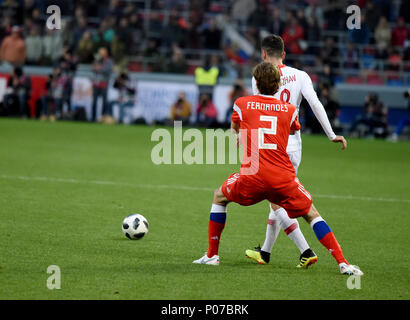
(317, 107)
(236, 122)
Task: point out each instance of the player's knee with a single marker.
(219, 197)
(274, 207)
(312, 214)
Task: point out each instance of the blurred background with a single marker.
(152, 61)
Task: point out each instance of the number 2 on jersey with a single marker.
(263, 131)
(282, 95)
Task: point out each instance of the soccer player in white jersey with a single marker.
(296, 84)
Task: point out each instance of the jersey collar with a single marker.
(264, 95)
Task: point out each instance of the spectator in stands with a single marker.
(360, 36)
(126, 94)
(334, 14)
(102, 68)
(260, 17)
(394, 59)
(206, 77)
(180, 110)
(315, 11)
(56, 86)
(135, 27)
(18, 93)
(211, 36)
(400, 33)
(79, 28)
(85, 48)
(277, 25)
(175, 30)
(374, 118)
(37, 17)
(5, 27)
(29, 25)
(114, 9)
(300, 16)
(206, 113)
(47, 111)
(241, 9)
(13, 48)
(105, 34)
(327, 76)
(34, 46)
(313, 35)
(382, 36)
(29, 7)
(155, 26)
(292, 35)
(351, 56)
(239, 90)
(68, 64)
(372, 15)
(329, 52)
(157, 63)
(122, 42)
(192, 39)
(177, 63)
(52, 46)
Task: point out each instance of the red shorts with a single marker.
(247, 190)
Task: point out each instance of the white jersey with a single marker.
(295, 85)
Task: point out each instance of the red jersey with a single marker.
(265, 124)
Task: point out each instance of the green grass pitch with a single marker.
(66, 187)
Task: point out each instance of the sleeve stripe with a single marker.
(294, 117)
(238, 110)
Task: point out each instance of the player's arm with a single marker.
(317, 107)
(236, 122)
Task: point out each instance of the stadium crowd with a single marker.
(169, 32)
(177, 36)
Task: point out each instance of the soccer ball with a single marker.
(135, 226)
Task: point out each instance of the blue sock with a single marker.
(320, 228)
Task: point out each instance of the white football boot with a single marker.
(350, 269)
(214, 261)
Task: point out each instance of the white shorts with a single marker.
(295, 157)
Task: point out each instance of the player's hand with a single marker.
(342, 140)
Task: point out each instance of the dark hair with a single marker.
(267, 78)
(273, 45)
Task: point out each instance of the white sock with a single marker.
(291, 228)
(272, 231)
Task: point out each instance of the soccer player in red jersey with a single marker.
(263, 125)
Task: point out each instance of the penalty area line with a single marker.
(179, 187)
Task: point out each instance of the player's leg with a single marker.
(215, 227)
(291, 227)
(326, 237)
(262, 255)
(279, 219)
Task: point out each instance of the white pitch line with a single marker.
(179, 187)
